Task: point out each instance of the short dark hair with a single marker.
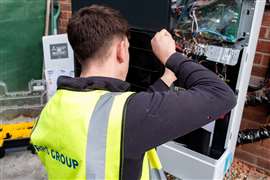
(92, 29)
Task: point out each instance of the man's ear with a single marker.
(120, 53)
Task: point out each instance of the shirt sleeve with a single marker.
(159, 85)
(156, 117)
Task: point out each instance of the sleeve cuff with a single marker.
(174, 61)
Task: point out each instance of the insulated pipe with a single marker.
(252, 135)
(47, 21)
(51, 15)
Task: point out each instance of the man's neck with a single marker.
(101, 72)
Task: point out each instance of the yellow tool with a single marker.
(14, 132)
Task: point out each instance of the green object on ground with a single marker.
(21, 31)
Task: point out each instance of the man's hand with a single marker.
(168, 77)
(163, 45)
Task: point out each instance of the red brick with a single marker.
(62, 30)
(65, 7)
(252, 124)
(263, 46)
(260, 108)
(265, 60)
(258, 58)
(246, 156)
(255, 116)
(63, 22)
(62, 27)
(257, 149)
(266, 18)
(266, 143)
(243, 125)
(65, 15)
(263, 32)
(267, 34)
(259, 71)
(264, 164)
(65, 1)
(251, 159)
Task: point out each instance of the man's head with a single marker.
(98, 36)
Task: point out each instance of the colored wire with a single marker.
(225, 38)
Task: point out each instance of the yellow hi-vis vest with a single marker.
(79, 136)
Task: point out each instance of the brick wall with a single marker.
(254, 117)
(64, 16)
(262, 57)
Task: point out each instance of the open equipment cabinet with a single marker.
(219, 34)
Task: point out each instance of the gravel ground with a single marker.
(18, 119)
(21, 165)
(243, 171)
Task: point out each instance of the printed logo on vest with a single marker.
(57, 156)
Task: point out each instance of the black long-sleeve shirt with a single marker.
(160, 115)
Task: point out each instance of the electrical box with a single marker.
(218, 34)
(58, 60)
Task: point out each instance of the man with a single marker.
(94, 128)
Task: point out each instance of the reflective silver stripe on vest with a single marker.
(97, 135)
(156, 174)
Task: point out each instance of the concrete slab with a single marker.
(22, 165)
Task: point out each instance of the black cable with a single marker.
(253, 135)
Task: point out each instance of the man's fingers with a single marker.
(162, 32)
(165, 32)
